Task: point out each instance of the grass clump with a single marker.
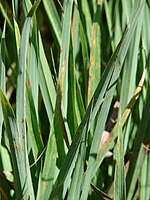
(74, 100)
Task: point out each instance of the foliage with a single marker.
(74, 99)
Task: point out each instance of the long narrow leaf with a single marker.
(2, 74)
(17, 152)
(20, 104)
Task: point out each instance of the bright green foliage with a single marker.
(74, 99)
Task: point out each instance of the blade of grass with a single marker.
(5, 163)
(146, 27)
(87, 19)
(109, 23)
(80, 109)
(78, 99)
(138, 165)
(72, 107)
(75, 31)
(20, 105)
(64, 56)
(26, 5)
(139, 152)
(119, 180)
(147, 192)
(53, 18)
(33, 64)
(85, 57)
(2, 73)
(49, 169)
(77, 177)
(17, 155)
(127, 5)
(15, 6)
(95, 55)
(117, 21)
(17, 35)
(4, 13)
(32, 123)
(46, 82)
(60, 133)
(143, 179)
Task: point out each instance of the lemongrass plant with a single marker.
(74, 99)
